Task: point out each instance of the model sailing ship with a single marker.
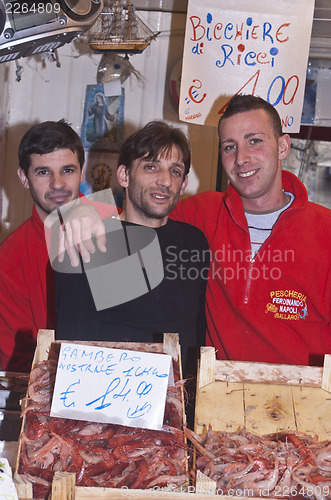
(120, 29)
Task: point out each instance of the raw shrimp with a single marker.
(101, 455)
(283, 465)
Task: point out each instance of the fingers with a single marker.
(77, 230)
(99, 232)
(67, 244)
(82, 233)
(62, 246)
(73, 257)
(84, 230)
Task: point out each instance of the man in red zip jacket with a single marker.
(269, 288)
(51, 159)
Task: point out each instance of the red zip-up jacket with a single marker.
(27, 291)
(275, 308)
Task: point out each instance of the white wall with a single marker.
(47, 92)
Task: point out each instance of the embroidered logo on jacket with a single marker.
(287, 304)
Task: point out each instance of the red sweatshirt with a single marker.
(276, 308)
(26, 292)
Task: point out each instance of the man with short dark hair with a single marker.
(51, 159)
(153, 166)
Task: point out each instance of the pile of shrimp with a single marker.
(101, 455)
(281, 465)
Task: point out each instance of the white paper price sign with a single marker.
(116, 386)
(249, 47)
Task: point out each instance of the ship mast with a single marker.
(121, 30)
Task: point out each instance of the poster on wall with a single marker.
(102, 127)
(100, 175)
(249, 47)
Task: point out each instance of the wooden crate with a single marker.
(63, 485)
(263, 398)
(230, 395)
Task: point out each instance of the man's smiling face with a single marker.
(153, 187)
(53, 179)
(251, 155)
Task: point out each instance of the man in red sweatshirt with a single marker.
(269, 289)
(51, 159)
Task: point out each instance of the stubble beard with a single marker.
(150, 212)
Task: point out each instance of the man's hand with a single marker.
(79, 225)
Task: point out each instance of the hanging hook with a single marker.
(19, 71)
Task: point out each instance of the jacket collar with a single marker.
(38, 223)
(291, 183)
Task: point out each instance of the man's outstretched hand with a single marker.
(79, 225)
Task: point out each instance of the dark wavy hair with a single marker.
(241, 103)
(47, 137)
(152, 141)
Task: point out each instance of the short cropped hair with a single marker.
(47, 137)
(241, 103)
(155, 139)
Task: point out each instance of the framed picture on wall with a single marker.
(100, 175)
(102, 127)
